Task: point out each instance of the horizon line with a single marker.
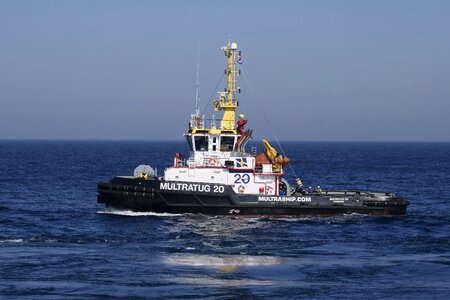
(179, 140)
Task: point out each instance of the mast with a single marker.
(195, 117)
(197, 86)
(227, 102)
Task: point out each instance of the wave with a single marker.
(245, 282)
(129, 213)
(12, 241)
(221, 261)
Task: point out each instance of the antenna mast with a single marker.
(227, 101)
(197, 85)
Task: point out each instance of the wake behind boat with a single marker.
(220, 177)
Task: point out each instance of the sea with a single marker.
(57, 242)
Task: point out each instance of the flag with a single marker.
(241, 162)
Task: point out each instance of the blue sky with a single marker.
(320, 70)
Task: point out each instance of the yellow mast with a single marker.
(227, 103)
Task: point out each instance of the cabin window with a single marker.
(189, 142)
(201, 143)
(226, 143)
(214, 143)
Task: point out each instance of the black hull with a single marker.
(171, 197)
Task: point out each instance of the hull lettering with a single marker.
(284, 199)
(191, 187)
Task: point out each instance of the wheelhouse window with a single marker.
(189, 142)
(226, 143)
(201, 143)
(214, 143)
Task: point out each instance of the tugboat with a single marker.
(221, 178)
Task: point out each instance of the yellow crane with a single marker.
(277, 160)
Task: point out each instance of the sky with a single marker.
(312, 70)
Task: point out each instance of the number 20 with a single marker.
(244, 178)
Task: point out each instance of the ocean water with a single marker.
(57, 242)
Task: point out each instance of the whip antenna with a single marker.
(197, 85)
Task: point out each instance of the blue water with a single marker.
(57, 242)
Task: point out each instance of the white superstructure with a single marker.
(217, 151)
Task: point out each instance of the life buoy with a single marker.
(212, 162)
(241, 189)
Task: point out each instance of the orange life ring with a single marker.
(212, 162)
(241, 189)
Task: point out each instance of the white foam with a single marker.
(221, 261)
(11, 241)
(129, 213)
